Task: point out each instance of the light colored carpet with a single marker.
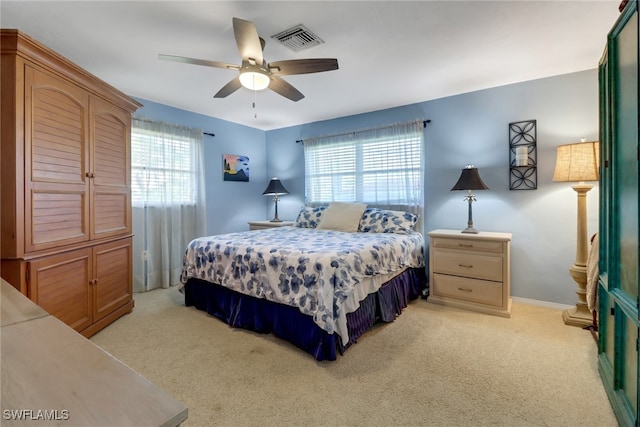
(432, 366)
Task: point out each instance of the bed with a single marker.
(318, 287)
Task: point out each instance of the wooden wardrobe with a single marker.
(619, 278)
(65, 195)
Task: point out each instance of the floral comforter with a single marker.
(322, 272)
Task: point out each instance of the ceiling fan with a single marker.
(255, 73)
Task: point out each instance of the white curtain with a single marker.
(167, 188)
(383, 167)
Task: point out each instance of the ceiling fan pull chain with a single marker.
(255, 99)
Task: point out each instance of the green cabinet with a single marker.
(618, 285)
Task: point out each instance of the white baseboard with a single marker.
(547, 304)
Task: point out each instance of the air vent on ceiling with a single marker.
(298, 38)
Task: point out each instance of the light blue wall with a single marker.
(229, 204)
(467, 128)
(473, 128)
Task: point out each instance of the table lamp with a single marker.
(470, 180)
(275, 189)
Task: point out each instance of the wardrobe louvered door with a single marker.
(110, 170)
(56, 160)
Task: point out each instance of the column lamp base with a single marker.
(578, 316)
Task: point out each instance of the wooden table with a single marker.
(52, 375)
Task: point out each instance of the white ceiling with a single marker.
(390, 53)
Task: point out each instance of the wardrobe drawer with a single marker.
(472, 290)
(486, 267)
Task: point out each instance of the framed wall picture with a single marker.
(235, 168)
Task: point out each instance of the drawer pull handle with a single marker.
(465, 265)
(465, 245)
(465, 290)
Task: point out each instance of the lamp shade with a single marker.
(470, 180)
(275, 188)
(577, 162)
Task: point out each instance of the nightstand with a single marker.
(471, 271)
(259, 225)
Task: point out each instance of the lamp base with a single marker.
(579, 316)
(470, 198)
(275, 220)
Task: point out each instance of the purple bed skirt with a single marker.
(288, 323)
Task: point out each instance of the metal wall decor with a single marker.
(523, 158)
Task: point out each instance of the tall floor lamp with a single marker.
(275, 189)
(579, 163)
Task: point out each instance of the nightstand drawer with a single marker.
(468, 244)
(486, 267)
(477, 291)
(261, 225)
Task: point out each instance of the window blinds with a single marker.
(381, 166)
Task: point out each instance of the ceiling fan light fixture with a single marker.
(254, 80)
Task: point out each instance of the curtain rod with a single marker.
(424, 124)
(147, 120)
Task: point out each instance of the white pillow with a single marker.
(342, 216)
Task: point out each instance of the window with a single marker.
(169, 208)
(164, 163)
(380, 166)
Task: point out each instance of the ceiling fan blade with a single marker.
(303, 66)
(195, 61)
(283, 88)
(248, 40)
(229, 88)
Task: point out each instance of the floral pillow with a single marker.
(375, 220)
(309, 217)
